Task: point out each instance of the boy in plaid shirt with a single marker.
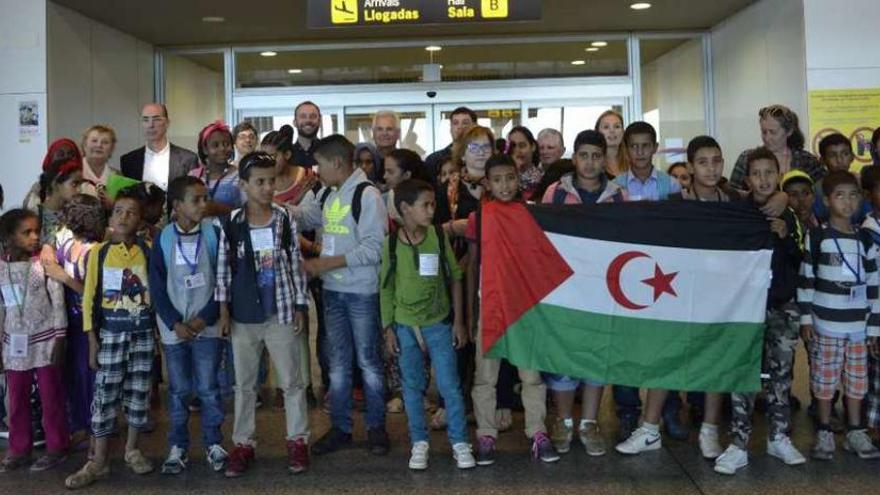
(117, 310)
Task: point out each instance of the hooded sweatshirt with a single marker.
(611, 191)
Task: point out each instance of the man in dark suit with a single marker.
(159, 161)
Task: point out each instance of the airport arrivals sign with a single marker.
(348, 13)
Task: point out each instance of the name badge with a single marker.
(262, 239)
(189, 251)
(194, 281)
(18, 345)
(328, 248)
(858, 293)
(13, 294)
(429, 265)
(112, 279)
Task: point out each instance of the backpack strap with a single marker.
(392, 259)
(816, 236)
(357, 198)
(559, 195)
(98, 300)
(323, 198)
(444, 264)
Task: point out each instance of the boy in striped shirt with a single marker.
(838, 298)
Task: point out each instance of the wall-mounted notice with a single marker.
(855, 113)
(28, 120)
(348, 13)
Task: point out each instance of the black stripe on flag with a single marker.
(735, 226)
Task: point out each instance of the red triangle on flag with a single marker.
(519, 267)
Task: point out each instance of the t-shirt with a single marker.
(416, 294)
(263, 242)
(124, 291)
(224, 190)
(588, 197)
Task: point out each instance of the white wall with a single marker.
(194, 97)
(758, 59)
(673, 85)
(842, 44)
(97, 75)
(23, 57)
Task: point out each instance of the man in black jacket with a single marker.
(159, 161)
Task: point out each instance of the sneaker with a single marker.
(4, 430)
(137, 462)
(394, 406)
(782, 449)
(176, 461)
(674, 429)
(418, 457)
(463, 455)
(378, 440)
(858, 442)
(710, 447)
(48, 461)
(216, 457)
(563, 431)
(239, 460)
(591, 439)
(297, 456)
(486, 451)
(39, 438)
(89, 473)
(824, 447)
(14, 462)
(642, 440)
(332, 441)
(627, 425)
(731, 460)
(542, 448)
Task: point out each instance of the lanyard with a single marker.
(213, 190)
(193, 265)
(25, 282)
(858, 270)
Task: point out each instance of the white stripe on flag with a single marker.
(712, 286)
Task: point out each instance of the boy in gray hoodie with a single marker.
(354, 220)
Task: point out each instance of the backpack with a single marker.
(98, 300)
(817, 236)
(355, 200)
(444, 263)
(229, 225)
(166, 240)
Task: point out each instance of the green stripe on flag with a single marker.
(709, 357)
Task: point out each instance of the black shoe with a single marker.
(628, 425)
(332, 441)
(379, 444)
(674, 428)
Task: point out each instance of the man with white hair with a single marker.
(386, 131)
(551, 147)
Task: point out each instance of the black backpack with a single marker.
(444, 263)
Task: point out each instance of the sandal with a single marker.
(14, 462)
(48, 461)
(137, 462)
(89, 473)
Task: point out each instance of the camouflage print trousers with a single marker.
(780, 341)
(872, 400)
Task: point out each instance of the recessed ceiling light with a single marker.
(640, 6)
(578, 62)
(599, 44)
(268, 54)
(294, 71)
(433, 48)
(592, 49)
(213, 18)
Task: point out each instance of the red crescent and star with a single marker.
(661, 282)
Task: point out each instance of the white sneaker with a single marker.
(418, 459)
(858, 442)
(641, 440)
(176, 461)
(216, 457)
(784, 450)
(824, 447)
(463, 455)
(732, 459)
(710, 447)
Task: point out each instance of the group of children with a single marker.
(235, 271)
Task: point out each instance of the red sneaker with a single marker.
(239, 460)
(297, 456)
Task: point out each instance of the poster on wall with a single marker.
(855, 113)
(28, 120)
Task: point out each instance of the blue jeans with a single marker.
(192, 367)
(629, 404)
(438, 341)
(352, 322)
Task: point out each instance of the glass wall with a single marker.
(194, 95)
(673, 98)
(570, 118)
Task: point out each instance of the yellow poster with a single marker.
(855, 113)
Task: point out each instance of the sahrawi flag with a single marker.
(665, 295)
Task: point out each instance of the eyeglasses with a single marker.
(477, 148)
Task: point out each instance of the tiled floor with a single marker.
(677, 468)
